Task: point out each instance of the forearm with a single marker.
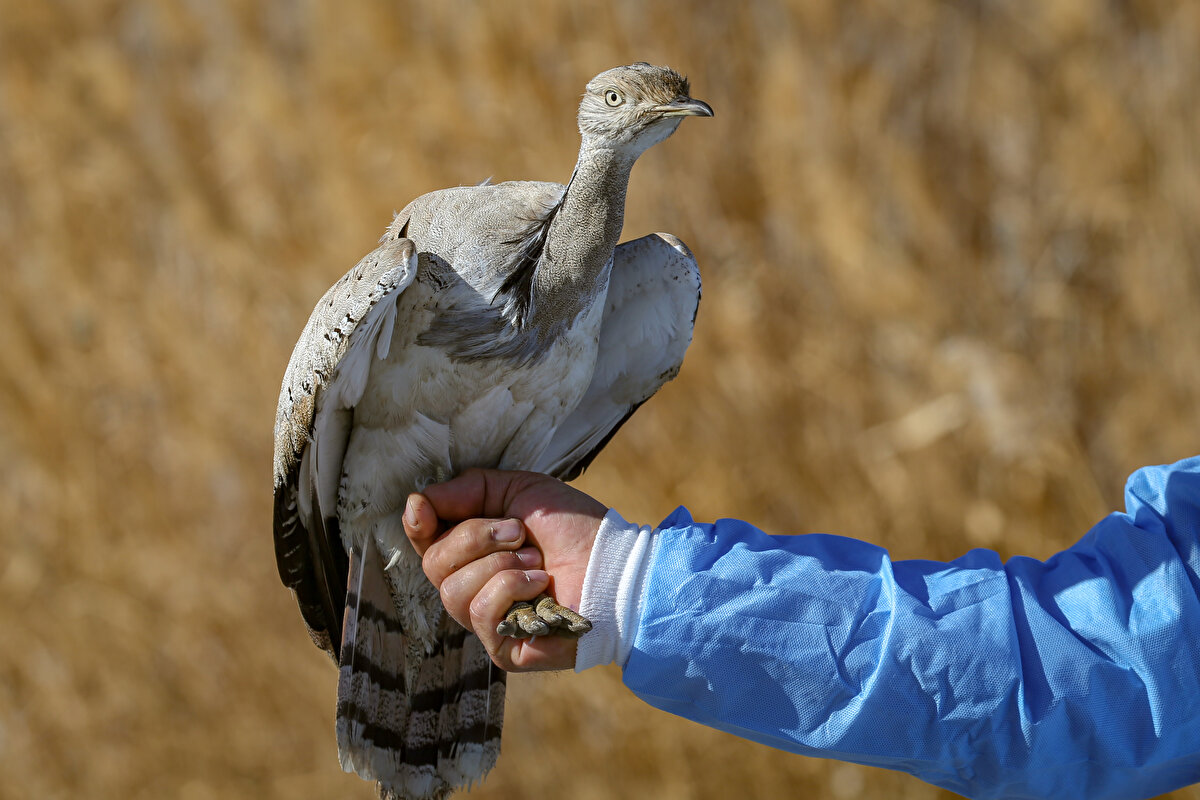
(1073, 677)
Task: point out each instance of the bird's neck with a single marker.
(581, 239)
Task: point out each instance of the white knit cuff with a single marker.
(612, 591)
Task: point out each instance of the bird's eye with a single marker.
(612, 97)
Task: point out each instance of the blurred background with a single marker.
(951, 254)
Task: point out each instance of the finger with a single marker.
(477, 493)
(542, 653)
(420, 522)
(523, 654)
(470, 541)
(461, 587)
(493, 601)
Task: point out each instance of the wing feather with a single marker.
(328, 370)
(649, 315)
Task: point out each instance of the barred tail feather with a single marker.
(421, 736)
(472, 713)
(420, 723)
(373, 701)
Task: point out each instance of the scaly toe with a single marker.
(548, 610)
(542, 617)
(509, 626)
(562, 619)
(529, 622)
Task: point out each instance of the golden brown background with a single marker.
(952, 298)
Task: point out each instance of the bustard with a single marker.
(494, 326)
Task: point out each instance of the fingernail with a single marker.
(410, 512)
(537, 575)
(529, 556)
(506, 530)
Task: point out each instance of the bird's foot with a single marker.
(542, 617)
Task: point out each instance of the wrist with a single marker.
(613, 589)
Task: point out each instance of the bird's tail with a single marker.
(373, 702)
(420, 723)
(472, 708)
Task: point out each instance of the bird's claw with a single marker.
(542, 617)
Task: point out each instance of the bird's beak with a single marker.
(685, 107)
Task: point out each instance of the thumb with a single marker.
(477, 493)
(420, 523)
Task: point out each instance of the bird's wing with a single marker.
(649, 314)
(328, 371)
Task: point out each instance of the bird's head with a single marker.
(635, 107)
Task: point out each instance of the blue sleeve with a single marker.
(1074, 677)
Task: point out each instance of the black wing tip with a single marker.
(575, 470)
(313, 565)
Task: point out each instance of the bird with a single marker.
(495, 326)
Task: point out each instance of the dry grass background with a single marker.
(950, 253)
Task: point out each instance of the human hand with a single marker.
(470, 532)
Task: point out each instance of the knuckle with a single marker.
(434, 554)
(475, 537)
(450, 597)
(478, 609)
(429, 567)
(511, 580)
(481, 536)
(436, 575)
(501, 562)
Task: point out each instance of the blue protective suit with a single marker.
(1078, 676)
